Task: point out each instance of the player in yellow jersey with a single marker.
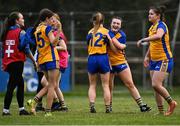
(59, 103)
(120, 66)
(47, 58)
(98, 61)
(159, 57)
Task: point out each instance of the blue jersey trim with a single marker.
(88, 38)
(52, 52)
(161, 25)
(48, 29)
(111, 34)
(122, 39)
(164, 47)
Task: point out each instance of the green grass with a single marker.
(125, 111)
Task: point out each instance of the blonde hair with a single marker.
(58, 18)
(98, 19)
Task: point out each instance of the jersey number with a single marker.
(41, 42)
(99, 38)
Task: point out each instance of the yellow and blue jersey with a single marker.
(160, 49)
(46, 51)
(97, 43)
(117, 58)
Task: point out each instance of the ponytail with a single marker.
(97, 19)
(162, 9)
(58, 18)
(43, 14)
(8, 22)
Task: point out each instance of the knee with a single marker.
(56, 87)
(92, 86)
(110, 87)
(130, 85)
(106, 87)
(50, 85)
(155, 86)
(44, 83)
(154, 83)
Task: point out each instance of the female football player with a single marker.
(159, 58)
(98, 62)
(120, 66)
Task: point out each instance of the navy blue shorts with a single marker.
(62, 70)
(162, 65)
(49, 65)
(98, 63)
(119, 68)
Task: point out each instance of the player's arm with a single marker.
(147, 58)
(55, 39)
(29, 55)
(112, 46)
(157, 36)
(62, 45)
(88, 38)
(116, 43)
(25, 47)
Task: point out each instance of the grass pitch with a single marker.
(125, 111)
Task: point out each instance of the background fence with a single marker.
(134, 57)
(135, 25)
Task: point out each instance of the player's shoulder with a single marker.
(90, 31)
(123, 34)
(104, 29)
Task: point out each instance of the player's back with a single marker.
(97, 42)
(46, 51)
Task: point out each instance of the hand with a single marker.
(146, 61)
(108, 37)
(139, 43)
(59, 25)
(124, 45)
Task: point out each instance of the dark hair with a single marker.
(159, 10)
(8, 22)
(98, 19)
(43, 14)
(116, 17)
